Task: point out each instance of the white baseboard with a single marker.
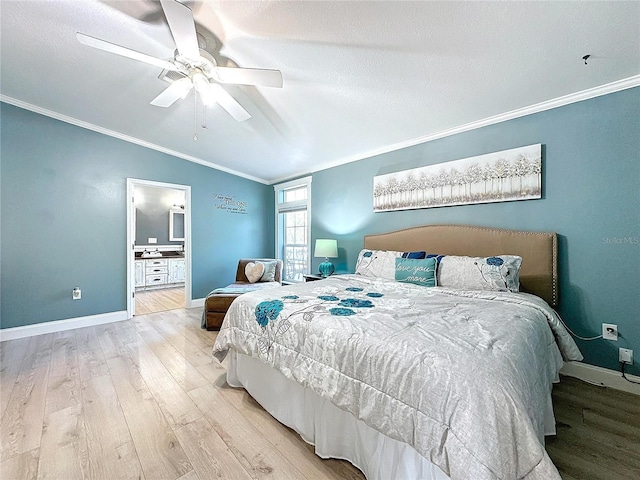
(14, 333)
(197, 302)
(601, 376)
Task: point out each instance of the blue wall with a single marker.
(591, 198)
(64, 218)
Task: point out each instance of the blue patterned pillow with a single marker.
(418, 271)
(436, 256)
(416, 255)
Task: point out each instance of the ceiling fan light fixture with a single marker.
(203, 87)
(192, 67)
(199, 81)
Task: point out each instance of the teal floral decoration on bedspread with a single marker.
(356, 302)
(268, 311)
(275, 316)
(341, 312)
(328, 298)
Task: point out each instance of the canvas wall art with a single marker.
(504, 176)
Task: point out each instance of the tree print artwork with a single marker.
(495, 177)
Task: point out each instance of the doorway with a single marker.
(158, 246)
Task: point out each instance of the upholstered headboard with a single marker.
(539, 250)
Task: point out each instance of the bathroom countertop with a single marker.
(138, 255)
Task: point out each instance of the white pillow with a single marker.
(254, 271)
(377, 263)
(501, 272)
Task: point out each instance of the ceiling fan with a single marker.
(196, 67)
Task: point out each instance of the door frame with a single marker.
(131, 228)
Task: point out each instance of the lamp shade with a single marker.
(326, 248)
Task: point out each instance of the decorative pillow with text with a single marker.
(381, 263)
(418, 271)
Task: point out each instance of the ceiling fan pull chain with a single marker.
(195, 116)
(204, 116)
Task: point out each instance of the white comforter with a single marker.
(462, 376)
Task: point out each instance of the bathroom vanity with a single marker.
(163, 270)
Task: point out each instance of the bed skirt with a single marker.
(334, 432)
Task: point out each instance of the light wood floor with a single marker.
(159, 300)
(139, 399)
(144, 399)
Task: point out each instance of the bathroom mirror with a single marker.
(176, 225)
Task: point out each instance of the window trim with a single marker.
(284, 207)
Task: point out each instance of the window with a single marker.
(293, 228)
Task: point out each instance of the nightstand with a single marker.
(312, 278)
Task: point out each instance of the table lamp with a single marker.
(327, 249)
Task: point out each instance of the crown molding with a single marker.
(599, 91)
(126, 138)
(587, 94)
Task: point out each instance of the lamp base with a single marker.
(326, 268)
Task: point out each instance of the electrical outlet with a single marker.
(610, 331)
(626, 356)
(76, 293)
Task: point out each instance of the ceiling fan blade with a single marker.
(124, 52)
(249, 76)
(226, 101)
(173, 92)
(183, 28)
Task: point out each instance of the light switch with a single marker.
(152, 240)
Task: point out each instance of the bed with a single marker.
(406, 380)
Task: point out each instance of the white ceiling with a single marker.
(359, 77)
